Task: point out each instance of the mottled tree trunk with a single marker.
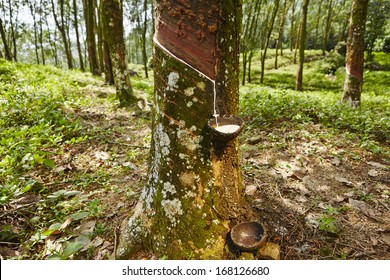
(144, 30)
(5, 43)
(328, 25)
(318, 17)
(89, 15)
(13, 16)
(292, 26)
(194, 191)
(113, 34)
(354, 59)
(41, 15)
(33, 11)
(60, 23)
(76, 27)
(279, 40)
(109, 75)
(302, 41)
(269, 32)
(98, 26)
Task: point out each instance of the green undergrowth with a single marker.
(275, 101)
(34, 120)
(264, 107)
(46, 112)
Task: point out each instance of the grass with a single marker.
(276, 102)
(40, 124)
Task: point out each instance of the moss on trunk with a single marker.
(194, 192)
(113, 34)
(355, 54)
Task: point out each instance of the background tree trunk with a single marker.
(113, 33)
(302, 41)
(292, 25)
(318, 17)
(33, 10)
(354, 59)
(100, 43)
(60, 23)
(76, 27)
(194, 192)
(144, 30)
(278, 44)
(328, 26)
(269, 31)
(89, 15)
(7, 52)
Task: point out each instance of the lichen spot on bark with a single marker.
(189, 91)
(173, 79)
(168, 188)
(187, 179)
(172, 209)
(201, 85)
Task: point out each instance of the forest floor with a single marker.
(322, 191)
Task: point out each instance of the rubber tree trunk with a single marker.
(302, 41)
(354, 59)
(267, 39)
(60, 23)
(328, 25)
(76, 27)
(7, 51)
(279, 41)
(89, 15)
(113, 34)
(194, 191)
(143, 38)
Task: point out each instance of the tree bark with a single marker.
(354, 59)
(144, 30)
(40, 35)
(269, 31)
(7, 52)
(292, 25)
(100, 43)
(328, 25)
(194, 191)
(60, 23)
(33, 10)
(302, 41)
(113, 33)
(89, 15)
(12, 17)
(52, 43)
(76, 26)
(279, 40)
(318, 17)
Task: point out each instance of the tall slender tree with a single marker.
(355, 54)
(302, 42)
(328, 25)
(113, 33)
(61, 25)
(267, 38)
(89, 15)
(278, 44)
(7, 51)
(76, 27)
(144, 32)
(33, 10)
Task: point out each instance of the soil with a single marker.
(318, 193)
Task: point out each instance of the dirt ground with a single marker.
(318, 193)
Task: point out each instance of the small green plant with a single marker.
(327, 221)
